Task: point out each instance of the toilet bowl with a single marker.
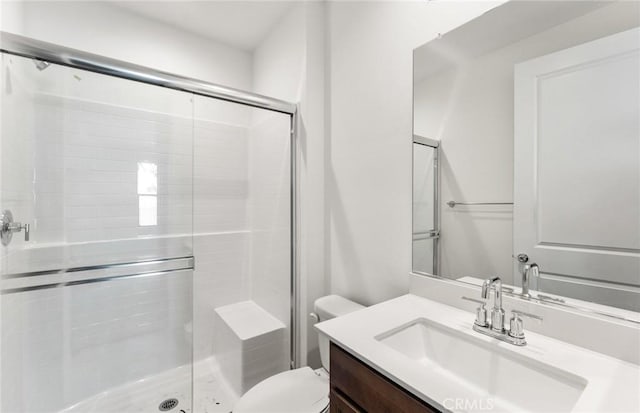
(302, 390)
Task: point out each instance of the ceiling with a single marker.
(238, 23)
(498, 28)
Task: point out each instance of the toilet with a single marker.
(301, 390)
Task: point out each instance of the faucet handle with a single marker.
(525, 314)
(516, 325)
(475, 300)
(481, 312)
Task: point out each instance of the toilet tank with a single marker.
(327, 308)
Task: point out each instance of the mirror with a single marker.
(534, 109)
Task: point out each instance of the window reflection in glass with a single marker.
(147, 194)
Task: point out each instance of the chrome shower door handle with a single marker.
(8, 227)
(27, 229)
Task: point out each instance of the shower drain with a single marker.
(168, 405)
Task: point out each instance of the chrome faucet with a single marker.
(495, 328)
(8, 227)
(529, 271)
(497, 313)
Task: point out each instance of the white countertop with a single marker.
(612, 385)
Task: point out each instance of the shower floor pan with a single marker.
(160, 392)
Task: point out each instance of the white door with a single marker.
(577, 169)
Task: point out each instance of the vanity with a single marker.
(413, 354)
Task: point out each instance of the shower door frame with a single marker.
(433, 234)
(52, 53)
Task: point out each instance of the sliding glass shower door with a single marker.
(96, 194)
(110, 190)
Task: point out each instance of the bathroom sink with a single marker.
(483, 375)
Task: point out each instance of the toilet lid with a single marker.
(295, 391)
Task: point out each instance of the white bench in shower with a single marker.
(250, 344)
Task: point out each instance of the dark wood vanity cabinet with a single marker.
(357, 388)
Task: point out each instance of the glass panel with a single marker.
(424, 193)
(242, 219)
(101, 169)
(423, 254)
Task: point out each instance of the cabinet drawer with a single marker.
(339, 404)
(368, 389)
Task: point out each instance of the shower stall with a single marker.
(148, 236)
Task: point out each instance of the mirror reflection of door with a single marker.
(577, 169)
(425, 218)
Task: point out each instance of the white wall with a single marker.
(368, 166)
